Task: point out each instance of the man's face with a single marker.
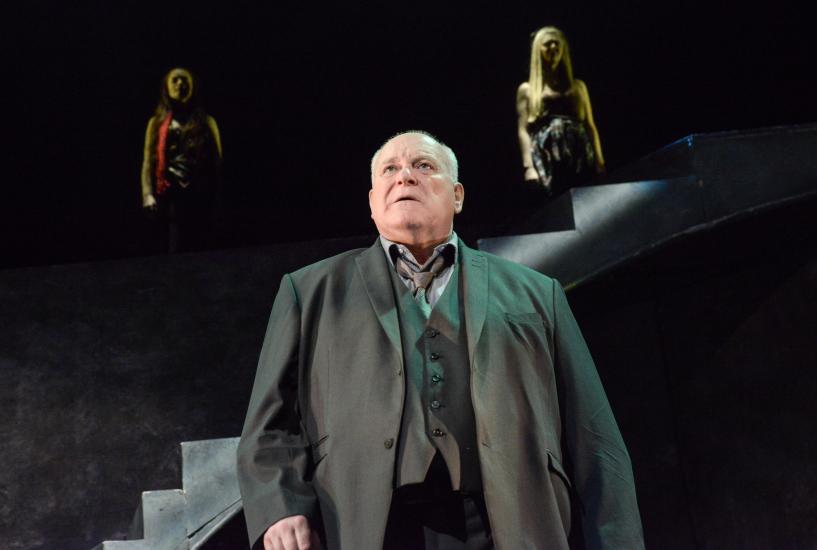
(412, 194)
(179, 85)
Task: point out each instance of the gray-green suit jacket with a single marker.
(328, 397)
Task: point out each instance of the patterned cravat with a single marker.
(423, 276)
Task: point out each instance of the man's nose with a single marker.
(407, 176)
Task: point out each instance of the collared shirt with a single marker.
(438, 284)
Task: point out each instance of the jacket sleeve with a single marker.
(274, 454)
(601, 469)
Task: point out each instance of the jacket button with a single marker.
(435, 404)
(434, 356)
(389, 443)
(436, 378)
(431, 333)
(437, 432)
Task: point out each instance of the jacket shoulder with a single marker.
(502, 267)
(336, 264)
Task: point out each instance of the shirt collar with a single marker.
(400, 249)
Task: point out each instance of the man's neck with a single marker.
(423, 250)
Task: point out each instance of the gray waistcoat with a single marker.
(437, 413)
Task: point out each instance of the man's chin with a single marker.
(406, 203)
(402, 231)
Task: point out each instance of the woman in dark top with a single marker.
(558, 138)
(182, 159)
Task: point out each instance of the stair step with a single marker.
(124, 545)
(186, 518)
(209, 479)
(612, 223)
(162, 516)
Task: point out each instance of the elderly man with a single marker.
(421, 394)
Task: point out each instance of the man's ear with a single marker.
(371, 212)
(459, 197)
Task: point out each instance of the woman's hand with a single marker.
(530, 174)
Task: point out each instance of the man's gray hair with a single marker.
(449, 157)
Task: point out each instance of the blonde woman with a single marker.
(557, 135)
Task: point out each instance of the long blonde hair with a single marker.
(536, 84)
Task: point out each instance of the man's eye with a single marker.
(425, 165)
(389, 169)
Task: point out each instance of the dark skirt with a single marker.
(562, 152)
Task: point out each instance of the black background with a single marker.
(304, 92)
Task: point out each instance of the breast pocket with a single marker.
(529, 329)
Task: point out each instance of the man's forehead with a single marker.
(408, 145)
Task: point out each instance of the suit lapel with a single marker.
(475, 292)
(373, 268)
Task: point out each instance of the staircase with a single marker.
(190, 517)
(688, 186)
